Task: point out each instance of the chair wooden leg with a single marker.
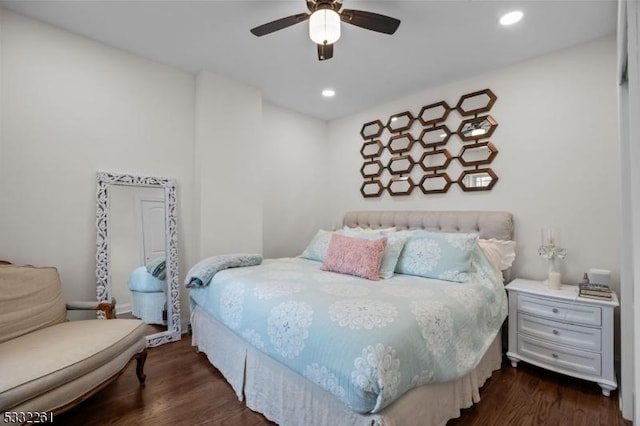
(140, 360)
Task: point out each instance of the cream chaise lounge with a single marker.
(47, 363)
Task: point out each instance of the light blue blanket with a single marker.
(202, 272)
(365, 342)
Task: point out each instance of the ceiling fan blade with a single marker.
(370, 21)
(279, 24)
(325, 51)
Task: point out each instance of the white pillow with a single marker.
(500, 253)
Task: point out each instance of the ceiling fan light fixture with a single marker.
(324, 26)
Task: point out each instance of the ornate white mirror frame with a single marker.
(103, 242)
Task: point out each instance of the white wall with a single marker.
(71, 107)
(558, 157)
(295, 174)
(227, 166)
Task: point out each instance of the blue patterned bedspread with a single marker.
(366, 342)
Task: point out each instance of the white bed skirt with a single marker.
(289, 399)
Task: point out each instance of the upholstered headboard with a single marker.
(489, 224)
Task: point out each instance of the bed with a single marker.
(343, 378)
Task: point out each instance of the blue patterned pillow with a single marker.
(317, 248)
(440, 255)
(395, 243)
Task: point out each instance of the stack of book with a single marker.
(595, 291)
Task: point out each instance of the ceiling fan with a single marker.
(324, 18)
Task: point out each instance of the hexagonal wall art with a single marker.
(371, 169)
(392, 167)
(372, 129)
(477, 180)
(371, 188)
(400, 143)
(476, 102)
(477, 154)
(476, 128)
(435, 136)
(434, 113)
(400, 165)
(400, 122)
(400, 186)
(435, 160)
(437, 183)
(371, 149)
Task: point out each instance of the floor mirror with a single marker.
(137, 251)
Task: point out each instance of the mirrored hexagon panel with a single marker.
(400, 122)
(400, 186)
(476, 128)
(371, 149)
(400, 165)
(371, 188)
(371, 169)
(400, 143)
(435, 160)
(477, 180)
(435, 136)
(372, 129)
(477, 154)
(476, 102)
(437, 183)
(434, 113)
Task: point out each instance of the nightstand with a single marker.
(562, 332)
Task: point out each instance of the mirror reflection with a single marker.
(476, 102)
(477, 128)
(435, 184)
(138, 254)
(478, 180)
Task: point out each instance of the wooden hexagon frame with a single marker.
(487, 107)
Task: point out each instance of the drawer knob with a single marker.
(554, 310)
(555, 356)
(555, 332)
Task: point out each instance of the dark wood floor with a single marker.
(184, 389)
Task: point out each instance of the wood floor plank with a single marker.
(183, 388)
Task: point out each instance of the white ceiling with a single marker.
(437, 42)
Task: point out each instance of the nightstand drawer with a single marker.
(561, 311)
(583, 362)
(565, 334)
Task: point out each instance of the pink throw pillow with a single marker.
(355, 256)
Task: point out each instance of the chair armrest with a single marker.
(109, 308)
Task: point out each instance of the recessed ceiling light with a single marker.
(328, 93)
(511, 17)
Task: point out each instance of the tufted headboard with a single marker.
(489, 224)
